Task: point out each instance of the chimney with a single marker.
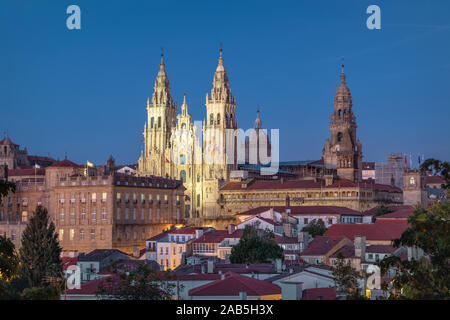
(242, 295)
(136, 251)
(231, 228)
(210, 266)
(278, 265)
(328, 180)
(360, 246)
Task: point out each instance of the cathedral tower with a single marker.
(161, 114)
(343, 150)
(221, 115)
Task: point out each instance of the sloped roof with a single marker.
(233, 284)
(319, 294)
(379, 248)
(347, 251)
(377, 231)
(298, 210)
(321, 245)
(66, 164)
(99, 254)
(26, 172)
(213, 236)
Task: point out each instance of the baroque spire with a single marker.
(221, 85)
(161, 94)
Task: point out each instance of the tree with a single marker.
(5, 188)
(256, 246)
(346, 278)
(40, 251)
(380, 211)
(140, 283)
(315, 228)
(9, 262)
(428, 276)
(441, 168)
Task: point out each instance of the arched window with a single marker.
(159, 122)
(198, 177)
(211, 119)
(182, 159)
(339, 137)
(183, 176)
(218, 118)
(198, 201)
(339, 113)
(152, 122)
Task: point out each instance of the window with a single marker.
(182, 159)
(134, 214)
(159, 122)
(62, 214)
(198, 177)
(198, 201)
(218, 118)
(183, 176)
(83, 214)
(370, 256)
(330, 221)
(94, 214)
(118, 196)
(94, 197)
(104, 214)
(92, 234)
(211, 119)
(412, 180)
(81, 234)
(150, 213)
(24, 216)
(61, 234)
(305, 221)
(339, 137)
(104, 196)
(72, 234)
(126, 213)
(118, 213)
(152, 122)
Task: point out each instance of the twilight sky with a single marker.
(84, 92)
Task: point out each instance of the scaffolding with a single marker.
(391, 172)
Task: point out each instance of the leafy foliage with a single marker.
(40, 251)
(315, 228)
(9, 262)
(427, 277)
(441, 168)
(140, 283)
(256, 246)
(346, 278)
(5, 188)
(380, 211)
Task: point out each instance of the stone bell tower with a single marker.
(343, 150)
(414, 190)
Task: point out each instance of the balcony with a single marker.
(72, 200)
(24, 203)
(61, 200)
(83, 200)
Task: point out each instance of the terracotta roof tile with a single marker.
(321, 245)
(319, 294)
(233, 284)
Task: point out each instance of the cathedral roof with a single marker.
(7, 141)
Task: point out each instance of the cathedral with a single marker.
(192, 152)
(343, 150)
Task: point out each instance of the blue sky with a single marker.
(84, 92)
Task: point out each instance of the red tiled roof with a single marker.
(233, 284)
(434, 179)
(68, 261)
(348, 251)
(91, 287)
(319, 294)
(372, 211)
(380, 248)
(285, 240)
(66, 164)
(298, 210)
(321, 245)
(399, 214)
(10, 142)
(158, 236)
(185, 230)
(378, 231)
(213, 236)
(40, 158)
